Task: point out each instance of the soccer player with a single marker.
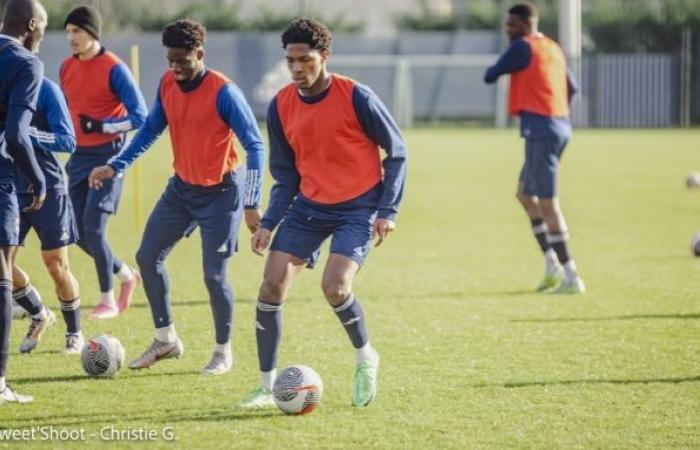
(540, 92)
(204, 112)
(104, 103)
(325, 132)
(24, 22)
(54, 223)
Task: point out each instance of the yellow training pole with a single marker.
(136, 170)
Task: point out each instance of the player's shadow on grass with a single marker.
(190, 303)
(83, 377)
(520, 384)
(232, 414)
(693, 316)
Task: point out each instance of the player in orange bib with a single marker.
(540, 91)
(326, 132)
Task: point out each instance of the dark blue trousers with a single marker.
(217, 211)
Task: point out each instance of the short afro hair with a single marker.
(523, 11)
(307, 31)
(185, 33)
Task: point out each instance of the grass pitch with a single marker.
(471, 357)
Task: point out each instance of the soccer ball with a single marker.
(695, 244)
(102, 356)
(693, 180)
(298, 390)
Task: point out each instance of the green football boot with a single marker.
(551, 279)
(259, 398)
(365, 384)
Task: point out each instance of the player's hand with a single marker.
(260, 241)
(37, 203)
(381, 229)
(99, 174)
(90, 125)
(252, 219)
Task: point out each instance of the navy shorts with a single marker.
(182, 208)
(54, 223)
(305, 227)
(541, 168)
(9, 216)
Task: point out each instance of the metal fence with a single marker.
(434, 76)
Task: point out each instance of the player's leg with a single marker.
(28, 298)
(68, 291)
(24, 295)
(99, 206)
(281, 269)
(9, 238)
(167, 224)
(219, 221)
(295, 245)
(531, 204)
(551, 150)
(78, 196)
(350, 247)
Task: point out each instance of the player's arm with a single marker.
(21, 106)
(283, 170)
(61, 136)
(517, 57)
(383, 130)
(147, 135)
(235, 111)
(124, 87)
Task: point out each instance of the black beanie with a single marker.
(87, 18)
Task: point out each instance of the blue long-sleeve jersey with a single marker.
(234, 110)
(517, 57)
(51, 132)
(20, 79)
(379, 126)
(124, 87)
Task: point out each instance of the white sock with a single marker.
(166, 334)
(223, 348)
(570, 271)
(267, 379)
(365, 353)
(107, 298)
(125, 273)
(41, 314)
(550, 260)
(2, 384)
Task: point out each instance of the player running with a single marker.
(51, 132)
(325, 131)
(540, 93)
(104, 103)
(204, 112)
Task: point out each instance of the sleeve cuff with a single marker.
(267, 224)
(386, 214)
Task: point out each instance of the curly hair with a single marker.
(185, 33)
(307, 31)
(524, 11)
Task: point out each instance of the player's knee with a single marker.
(271, 290)
(145, 259)
(214, 280)
(335, 291)
(57, 267)
(523, 198)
